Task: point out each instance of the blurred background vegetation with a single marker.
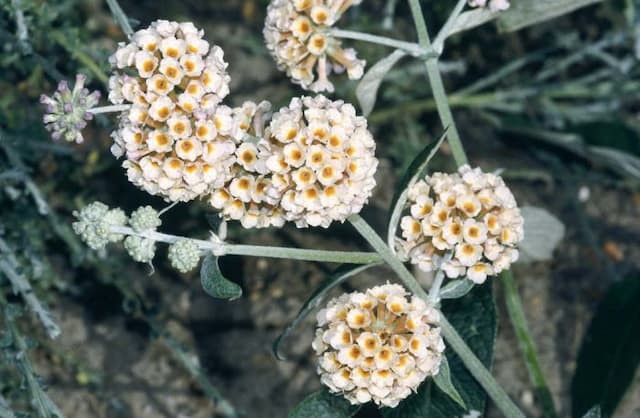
(556, 105)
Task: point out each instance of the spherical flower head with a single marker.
(322, 161)
(67, 110)
(95, 222)
(184, 255)
(145, 218)
(467, 223)
(249, 196)
(377, 345)
(140, 249)
(176, 137)
(298, 36)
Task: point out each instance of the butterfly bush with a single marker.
(315, 164)
(176, 138)
(377, 345)
(298, 36)
(466, 223)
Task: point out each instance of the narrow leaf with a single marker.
(542, 234)
(341, 274)
(474, 317)
(367, 89)
(526, 13)
(416, 169)
(322, 404)
(456, 289)
(610, 351)
(471, 19)
(214, 283)
(594, 412)
(444, 383)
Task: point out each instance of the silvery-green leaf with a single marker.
(626, 162)
(456, 289)
(341, 274)
(594, 412)
(542, 234)
(214, 283)
(444, 383)
(367, 89)
(471, 19)
(410, 177)
(523, 13)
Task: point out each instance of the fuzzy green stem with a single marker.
(478, 371)
(223, 248)
(437, 86)
(471, 361)
(108, 109)
(526, 343)
(120, 17)
(410, 47)
(438, 43)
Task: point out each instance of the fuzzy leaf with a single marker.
(416, 169)
(474, 317)
(341, 274)
(594, 412)
(525, 13)
(471, 19)
(610, 351)
(214, 283)
(456, 289)
(367, 89)
(444, 383)
(322, 404)
(542, 234)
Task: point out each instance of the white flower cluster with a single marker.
(470, 215)
(314, 165)
(493, 5)
(298, 35)
(377, 345)
(178, 141)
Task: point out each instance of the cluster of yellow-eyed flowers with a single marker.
(377, 345)
(98, 225)
(466, 223)
(493, 5)
(311, 163)
(314, 164)
(176, 138)
(298, 36)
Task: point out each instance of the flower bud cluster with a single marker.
(470, 215)
(298, 36)
(493, 5)
(314, 165)
(377, 345)
(143, 219)
(67, 110)
(176, 137)
(94, 224)
(184, 255)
